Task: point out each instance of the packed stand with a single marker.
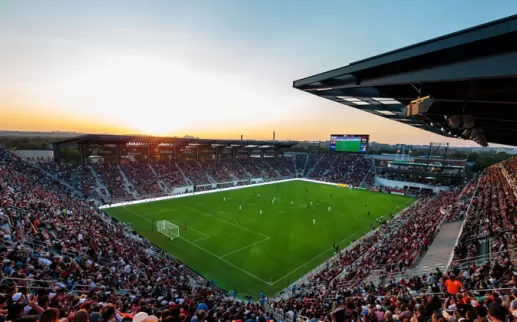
(269, 173)
(322, 166)
(283, 165)
(80, 177)
(391, 248)
(459, 295)
(98, 272)
(194, 172)
(251, 168)
(110, 176)
(491, 215)
(341, 168)
(170, 175)
(217, 170)
(142, 178)
(300, 160)
(311, 163)
(236, 169)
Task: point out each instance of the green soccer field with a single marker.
(249, 251)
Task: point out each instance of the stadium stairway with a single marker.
(509, 179)
(309, 172)
(210, 179)
(305, 164)
(187, 180)
(372, 169)
(161, 184)
(129, 187)
(233, 176)
(102, 188)
(440, 251)
(52, 176)
(243, 168)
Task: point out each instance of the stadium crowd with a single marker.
(56, 268)
(341, 168)
(169, 174)
(109, 175)
(142, 178)
(78, 176)
(473, 289)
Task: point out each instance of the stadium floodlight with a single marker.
(419, 106)
(168, 229)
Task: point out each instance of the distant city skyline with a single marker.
(206, 68)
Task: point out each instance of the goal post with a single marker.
(168, 229)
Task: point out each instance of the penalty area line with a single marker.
(209, 252)
(227, 262)
(242, 248)
(317, 256)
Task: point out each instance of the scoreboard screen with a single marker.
(351, 143)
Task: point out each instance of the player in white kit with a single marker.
(328, 209)
(260, 213)
(240, 207)
(314, 221)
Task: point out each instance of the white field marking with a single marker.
(227, 262)
(326, 250)
(182, 223)
(228, 222)
(200, 239)
(235, 221)
(242, 248)
(207, 251)
(176, 221)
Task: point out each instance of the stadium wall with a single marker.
(400, 184)
(191, 193)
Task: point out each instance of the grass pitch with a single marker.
(249, 251)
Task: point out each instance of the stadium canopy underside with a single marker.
(461, 85)
(153, 140)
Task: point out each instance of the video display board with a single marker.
(351, 143)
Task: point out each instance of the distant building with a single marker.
(34, 155)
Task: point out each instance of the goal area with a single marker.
(168, 229)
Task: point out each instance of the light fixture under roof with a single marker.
(390, 102)
(386, 100)
(360, 103)
(384, 112)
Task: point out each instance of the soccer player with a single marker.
(240, 207)
(328, 209)
(314, 221)
(310, 203)
(224, 199)
(273, 202)
(258, 195)
(186, 226)
(260, 213)
(291, 202)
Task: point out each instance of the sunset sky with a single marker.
(213, 69)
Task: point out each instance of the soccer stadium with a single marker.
(179, 229)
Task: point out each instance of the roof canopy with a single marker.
(124, 139)
(470, 75)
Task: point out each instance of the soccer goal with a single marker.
(168, 229)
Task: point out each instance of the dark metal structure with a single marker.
(115, 145)
(466, 82)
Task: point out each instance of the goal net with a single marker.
(168, 229)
